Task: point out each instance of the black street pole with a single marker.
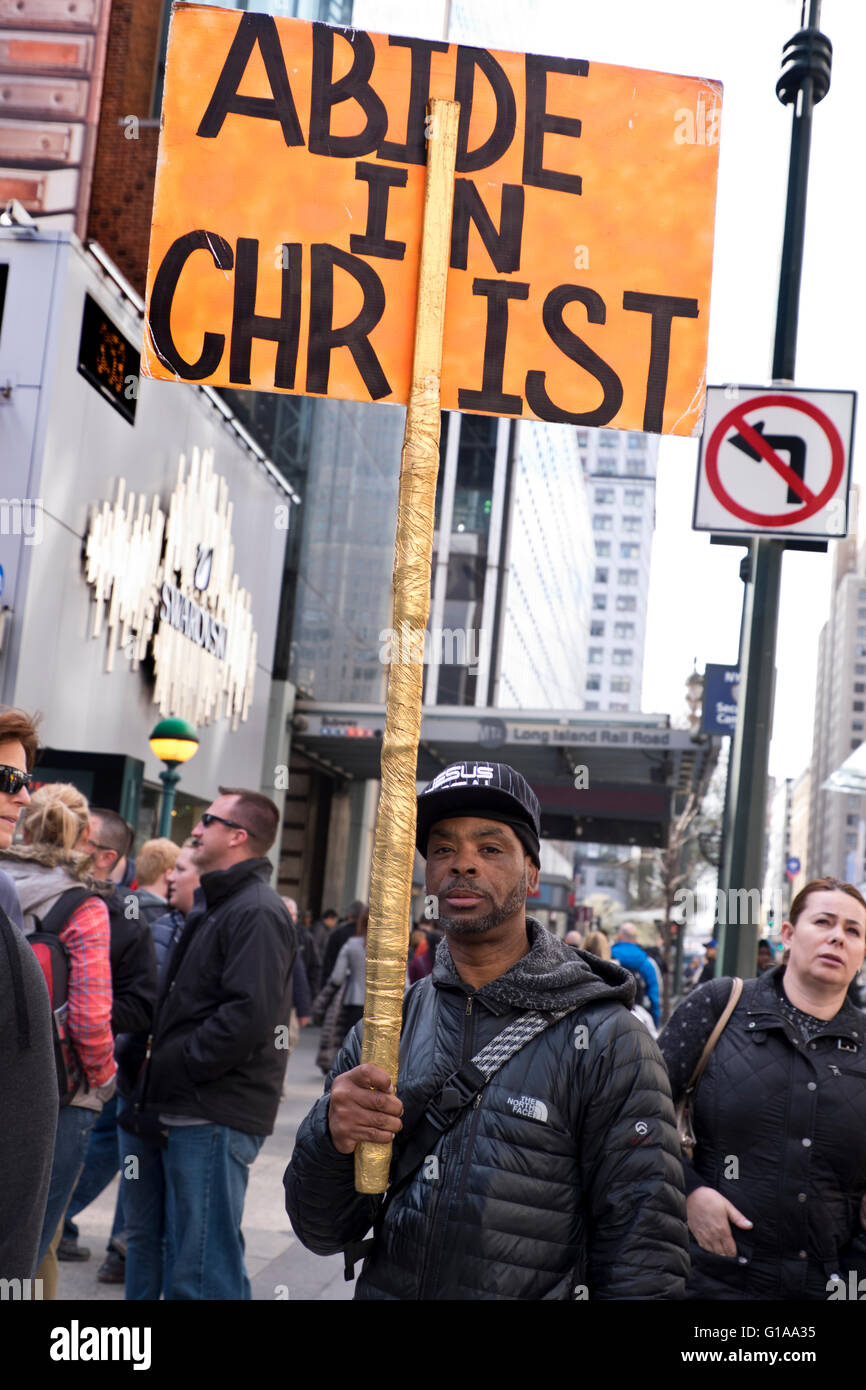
(805, 80)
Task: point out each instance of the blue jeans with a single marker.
(70, 1150)
(206, 1170)
(100, 1167)
(143, 1186)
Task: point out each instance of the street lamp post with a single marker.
(174, 742)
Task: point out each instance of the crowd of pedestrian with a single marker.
(551, 1140)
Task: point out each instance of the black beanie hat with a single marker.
(493, 790)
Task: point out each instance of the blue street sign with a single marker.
(721, 686)
(793, 865)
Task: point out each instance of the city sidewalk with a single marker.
(278, 1265)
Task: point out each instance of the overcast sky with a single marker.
(695, 592)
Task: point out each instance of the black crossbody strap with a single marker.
(461, 1090)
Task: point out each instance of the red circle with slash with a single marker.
(813, 502)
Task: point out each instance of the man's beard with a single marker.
(477, 926)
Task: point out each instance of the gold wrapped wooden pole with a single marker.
(394, 843)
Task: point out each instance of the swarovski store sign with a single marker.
(166, 587)
(153, 585)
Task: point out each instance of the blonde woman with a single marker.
(46, 866)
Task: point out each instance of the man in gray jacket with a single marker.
(28, 1074)
(548, 1169)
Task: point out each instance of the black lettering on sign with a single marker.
(503, 247)
(247, 324)
(415, 149)
(162, 294)
(374, 241)
(497, 142)
(576, 349)
(352, 86)
(664, 308)
(253, 29)
(324, 337)
(491, 398)
(539, 122)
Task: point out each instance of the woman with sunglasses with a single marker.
(775, 1191)
(28, 1075)
(54, 825)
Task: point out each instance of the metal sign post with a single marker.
(805, 80)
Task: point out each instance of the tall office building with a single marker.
(620, 469)
(835, 837)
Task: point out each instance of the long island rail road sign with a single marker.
(775, 461)
(288, 210)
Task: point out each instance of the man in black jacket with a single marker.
(218, 1055)
(560, 1177)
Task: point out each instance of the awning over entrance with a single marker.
(614, 780)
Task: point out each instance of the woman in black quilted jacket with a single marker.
(775, 1192)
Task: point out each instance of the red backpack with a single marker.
(53, 958)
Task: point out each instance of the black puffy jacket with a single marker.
(563, 1181)
(780, 1125)
(216, 1053)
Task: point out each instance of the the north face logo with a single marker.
(528, 1108)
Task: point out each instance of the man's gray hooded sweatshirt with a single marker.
(562, 1181)
(28, 1094)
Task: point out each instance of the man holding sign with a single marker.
(536, 1155)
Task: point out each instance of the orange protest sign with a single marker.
(288, 209)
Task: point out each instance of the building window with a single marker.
(608, 440)
(861, 615)
(855, 742)
(852, 820)
(602, 548)
(858, 706)
(636, 467)
(631, 524)
(861, 595)
(606, 467)
(596, 629)
(593, 682)
(596, 656)
(624, 631)
(599, 602)
(626, 577)
(601, 574)
(590, 704)
(614, 705)
(850, 841)
(582, 438)
(861, 632)
(634, 497)
(620, 684)
(602, 522)
(626, 603)
(860, 670)
(859, 688)
(603, 495)
(628, 551)
(622, 656)
(857, 726)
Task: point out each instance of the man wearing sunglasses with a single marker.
(28, 1076)
(212, 1087)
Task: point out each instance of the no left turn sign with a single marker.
(775, 461)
